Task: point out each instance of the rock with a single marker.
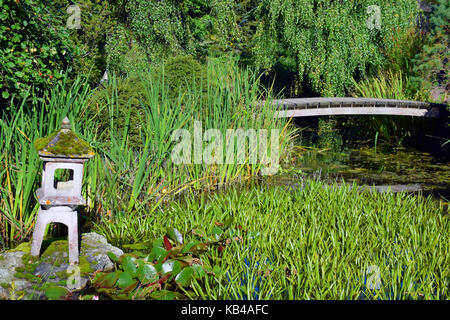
(95, 248)
(27, 276)
(8, 263)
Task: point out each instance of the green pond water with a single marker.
(403, 169)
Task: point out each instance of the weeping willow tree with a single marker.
(326, 43)
(329, 42)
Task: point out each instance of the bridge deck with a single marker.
(307, 107)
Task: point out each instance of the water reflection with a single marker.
(383, 166)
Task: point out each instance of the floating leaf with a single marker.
(178, 236)
(199, 272)
(166, 295)
(167, 266)
(130, 288)
(55, 292)
(157, 253)
(199, 248)
(147, 273)
(177, 266)
(112, 256)
(138, 246)
(167, 243)
(185, 276)
(125, 280)
(175, 235)
(106, 280)
(187, 247)
(129, 266)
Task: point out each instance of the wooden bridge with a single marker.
(310, 107)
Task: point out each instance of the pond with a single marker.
(400, 168)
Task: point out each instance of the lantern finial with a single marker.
(65, 124)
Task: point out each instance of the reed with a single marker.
(121, 178)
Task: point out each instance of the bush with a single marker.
(124, 55)
(328, 42)
(130, 97)
(179, 72)
(34, 45)
(125, 97)
(431, 64)
(92, 36)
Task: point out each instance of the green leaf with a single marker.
(217, 230)
(185, 276)
(106, 280)
(5, 94)
(157, 253)
(125, 280)
(177, 266)
(138, 246)
(129, 266)
(112, 256)
(168, 266)
(54, 292)
(199, 272)
(166, 295)
(199, 248)
(216, 270)
(187, 247)
(228, 222)
(147, 273)
(175, 235)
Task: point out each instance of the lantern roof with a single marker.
(63, 145)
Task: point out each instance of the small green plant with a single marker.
(164, 273)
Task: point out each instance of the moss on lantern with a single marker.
(64, 143)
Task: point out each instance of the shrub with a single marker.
(129, 99)
(34, 45)
(126, 97)
(92, 36)
(431, 64)
(179, 72)
(124, 55)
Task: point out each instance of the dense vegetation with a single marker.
(170, 63)
(320, 45)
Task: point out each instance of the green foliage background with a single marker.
(325, 44)
(34, 45)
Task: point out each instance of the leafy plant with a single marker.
(430, 67)
(166, 272)
(34, 46)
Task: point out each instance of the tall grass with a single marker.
(317, 242)
(20, 170)
(391, 85)
(121, 179)
(388, 85)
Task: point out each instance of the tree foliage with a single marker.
(34, 45)
(431, 63)
(328, 42)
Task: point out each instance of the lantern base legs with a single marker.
(63, 215)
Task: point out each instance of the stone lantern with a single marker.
(58, 200)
